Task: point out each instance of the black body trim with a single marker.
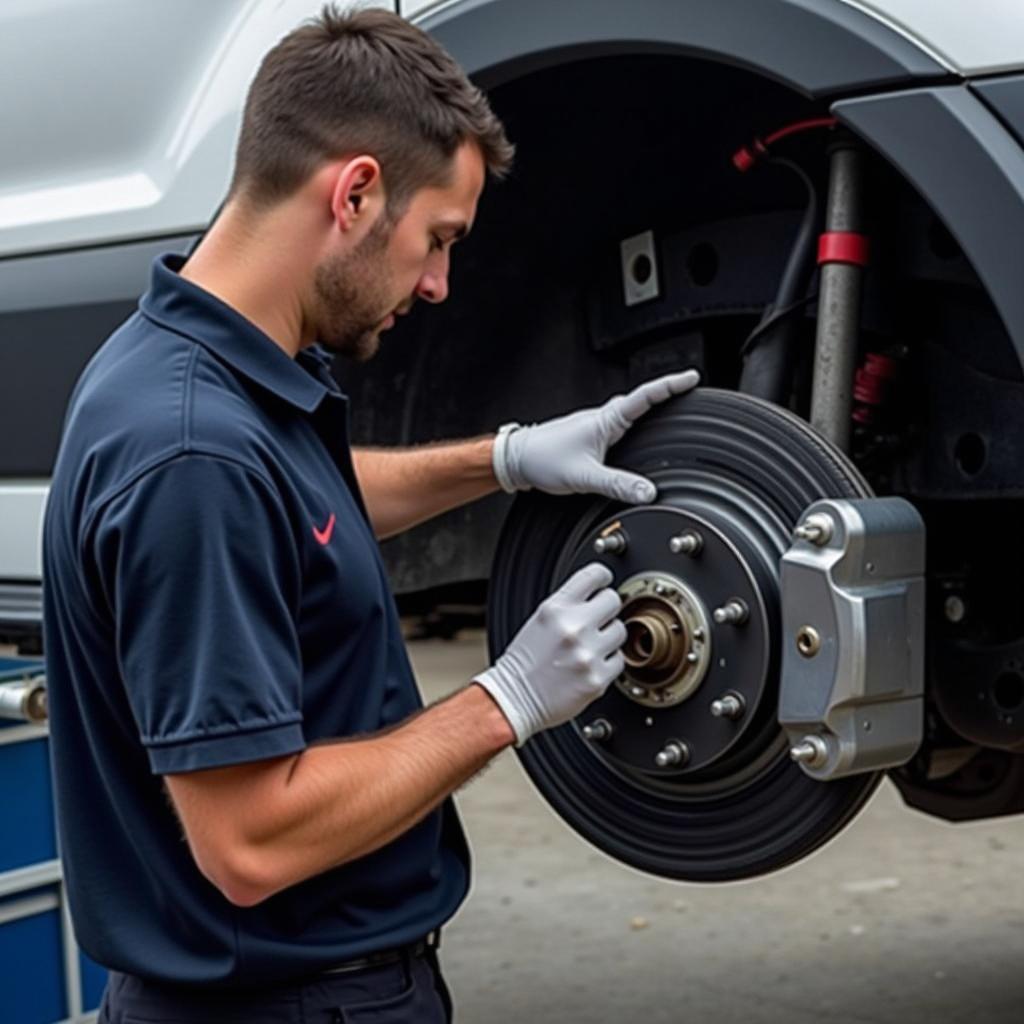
(817, 48)
(1006, 97)
(968, 167)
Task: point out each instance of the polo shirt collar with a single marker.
(185, 308)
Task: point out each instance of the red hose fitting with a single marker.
(871, 386)
(746, 156)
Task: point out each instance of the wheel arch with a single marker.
(816, 48)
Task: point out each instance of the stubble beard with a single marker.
(353, 292)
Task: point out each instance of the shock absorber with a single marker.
(842, 256)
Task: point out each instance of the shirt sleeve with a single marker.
(201, 572)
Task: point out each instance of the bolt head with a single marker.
(954, 608)
(688, 543)
(729, 706)
(816, 529)
(672, 753)
(808, 641)
(812, 752)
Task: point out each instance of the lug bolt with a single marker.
(730, 705)
(816, 529)
(955, 608)
(692, 658)
(812, 752)
(659, 589)
(613, 544)
(598, 730)
(698, 634)
(733, 611)
(674, 752)
(686, 543)
(637, 691)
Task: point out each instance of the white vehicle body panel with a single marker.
(113, 142)
(21, 512)
(969, 38)
(117, 163)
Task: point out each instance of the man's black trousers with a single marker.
(410, 991)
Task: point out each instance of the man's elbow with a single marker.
(243, 876)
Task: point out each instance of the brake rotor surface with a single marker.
(684, 771)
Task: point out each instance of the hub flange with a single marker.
(668, 640)
(673, 676)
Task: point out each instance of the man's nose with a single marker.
(433, 287)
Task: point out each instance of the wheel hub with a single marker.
(679, 658)
(667, 646)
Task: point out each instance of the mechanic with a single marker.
(254, 806)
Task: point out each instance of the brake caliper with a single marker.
(851, 693)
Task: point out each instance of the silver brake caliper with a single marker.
(851, 696)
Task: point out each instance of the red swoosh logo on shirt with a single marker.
(323, 536)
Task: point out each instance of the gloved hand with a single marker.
(566, 455)
(566, 655)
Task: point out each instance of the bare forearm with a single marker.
(406, 486)
(339, 801)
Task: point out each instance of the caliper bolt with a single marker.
(808, 641)
(613, 544)
(674, 752)
(598, 730)
(686, 543)
(729, 705)
(816, 529)
(733, 611)
(812, 752)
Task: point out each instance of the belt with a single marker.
(388, 956)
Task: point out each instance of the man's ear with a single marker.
(358, 189)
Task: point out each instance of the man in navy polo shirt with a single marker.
(253, 804)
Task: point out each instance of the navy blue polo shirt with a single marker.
(214, 595)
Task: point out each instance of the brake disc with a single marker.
(681, 769)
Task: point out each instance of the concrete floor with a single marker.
(901, 919)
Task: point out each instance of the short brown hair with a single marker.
(366, 81)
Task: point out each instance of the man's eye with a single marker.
(436, 242)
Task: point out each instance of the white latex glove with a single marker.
(566, 655)
(566, 455)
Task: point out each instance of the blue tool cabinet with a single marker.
(44, 977)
